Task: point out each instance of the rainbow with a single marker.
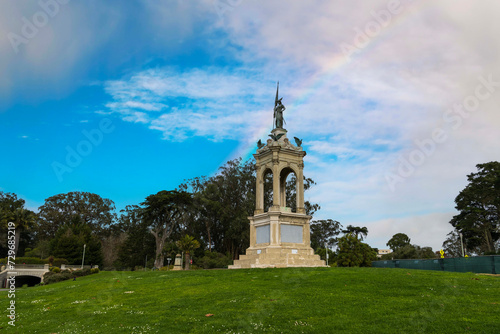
(318, 80)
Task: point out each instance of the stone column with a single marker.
(253, 233)
(306, 234)
(259, 192)
(276, 183)
(300, 189)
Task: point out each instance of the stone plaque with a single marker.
(263, 234)
(291, 233)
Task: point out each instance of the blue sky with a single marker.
(171, 90)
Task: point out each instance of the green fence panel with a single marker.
(478, 264)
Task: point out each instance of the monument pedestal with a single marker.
(279, 239)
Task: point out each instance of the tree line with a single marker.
(211, 211)
(206, 219)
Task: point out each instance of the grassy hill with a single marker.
(317, 300)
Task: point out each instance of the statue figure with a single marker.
(278, 111)
(298, 141)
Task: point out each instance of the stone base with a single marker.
(278, 257)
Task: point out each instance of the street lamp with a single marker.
(326, 250)
(462, 243)
(83, 258)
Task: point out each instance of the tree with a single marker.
(41, 250)
(12, 210)
(224, 202)
(479, 208)
(162, 213)
(139, 242)
(357, 231)
(411, 252)
(324, 232)
(187, 244)
(397, 241)
(452, 245)
(70, 240)
(92, 210)
(352, 252)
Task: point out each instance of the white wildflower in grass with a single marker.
(99, 312)
(113, 306)
(79, 302)
(36, 301)
(139, 278)
(129, 292)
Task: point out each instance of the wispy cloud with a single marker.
(199, 102)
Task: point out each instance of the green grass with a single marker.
(316, 300)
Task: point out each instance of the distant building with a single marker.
(383, 252)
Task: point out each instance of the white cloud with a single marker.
(424, 230)
(200, 102)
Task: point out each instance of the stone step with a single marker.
(274, 261)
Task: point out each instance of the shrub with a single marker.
(55, 270)
(81, 272)
(165, 268)
(35, 260)
(94, 270)
(214, 260)
(136, 268)
(56, 278)
(59, 261)
(27, 260)
(48, 274)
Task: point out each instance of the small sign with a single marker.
(442, 253)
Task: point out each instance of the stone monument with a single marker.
(279, 237)
(178, 262)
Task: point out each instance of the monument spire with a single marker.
(276, 102)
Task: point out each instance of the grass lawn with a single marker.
(293, 300)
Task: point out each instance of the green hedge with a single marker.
(214, 260)
(52, 277)
(35, 260)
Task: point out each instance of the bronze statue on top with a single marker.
(278, 111)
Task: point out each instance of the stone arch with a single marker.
(283, 175)
(265, 189)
